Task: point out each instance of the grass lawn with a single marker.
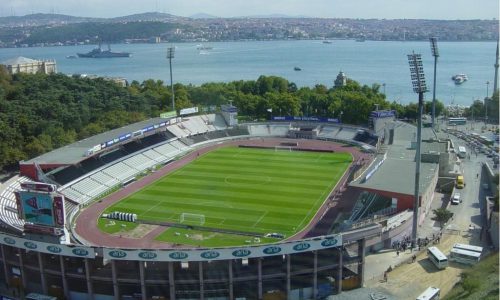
(478, 282)
(252, 190)
(207, 239)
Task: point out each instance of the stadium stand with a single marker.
(216, 134)
(8, 205)
(67, 174)
(90, 164)
(269, 129)
(218, 121)
(74, 195)
(155, 155)
(89, 187)
(209, 121)
(179, 145)
(104, 179)
(195, 139)
(365, 137)
(178, 131)
(346, 133)
(132, 147)
(237, 131)
(328, 131)
(139, 162)
(120, 171)
(195, 125)
(259, 130)
(113, 156)
(167, 150)
(279, 130)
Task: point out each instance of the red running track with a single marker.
(86, 222)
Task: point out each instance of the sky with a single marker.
(363, 9)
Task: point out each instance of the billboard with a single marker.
(309, 119)
(37, 208)
(318, 243)
(38, 186)
(168, 114)
(30, 245)
(383, 114)
(188, 111)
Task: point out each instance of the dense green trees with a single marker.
(102, 32)
(39, 112)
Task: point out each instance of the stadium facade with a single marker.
(312, 265)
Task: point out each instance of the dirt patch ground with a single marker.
(139, 232)
(409, 280)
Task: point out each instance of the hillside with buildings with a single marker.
(51, 29)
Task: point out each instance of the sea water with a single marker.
(370, 62)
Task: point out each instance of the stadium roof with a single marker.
(398, 176)
(434, 146)
(75, 153)
(397, 172)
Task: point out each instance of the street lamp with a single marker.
(419, 87)
(435, 53)
(170, 55)
(486, 103)
(383, 85)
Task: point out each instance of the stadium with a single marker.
(197, 206)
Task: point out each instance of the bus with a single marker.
(457, 121)
(468, 247)
(486, 141)
(437, 257)
(462, 152)
(431, 293)
(464, 256)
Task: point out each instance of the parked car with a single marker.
(456, 199)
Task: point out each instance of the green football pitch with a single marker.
(243, 189)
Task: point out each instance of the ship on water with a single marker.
(100, 53)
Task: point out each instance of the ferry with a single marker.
(202, 47)
(459, 78)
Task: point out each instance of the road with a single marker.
(408, 279)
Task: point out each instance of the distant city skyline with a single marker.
(363, 9)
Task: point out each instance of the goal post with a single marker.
(283, 148)
(192, 219)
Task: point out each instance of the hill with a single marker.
(43, 19)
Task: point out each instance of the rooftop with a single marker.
(397, 172)
(75, 153)
(20, 60)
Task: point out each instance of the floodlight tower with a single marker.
(419, 87)
(435, 53)
(170, 55)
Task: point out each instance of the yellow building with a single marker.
(27, 65)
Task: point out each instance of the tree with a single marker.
(442, 215)
(476, 110)
(439, 107)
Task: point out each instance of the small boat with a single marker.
(362, 39)
(459, 78)
(202, 47)
(71, 57)
(327, 42)
(297, 69)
